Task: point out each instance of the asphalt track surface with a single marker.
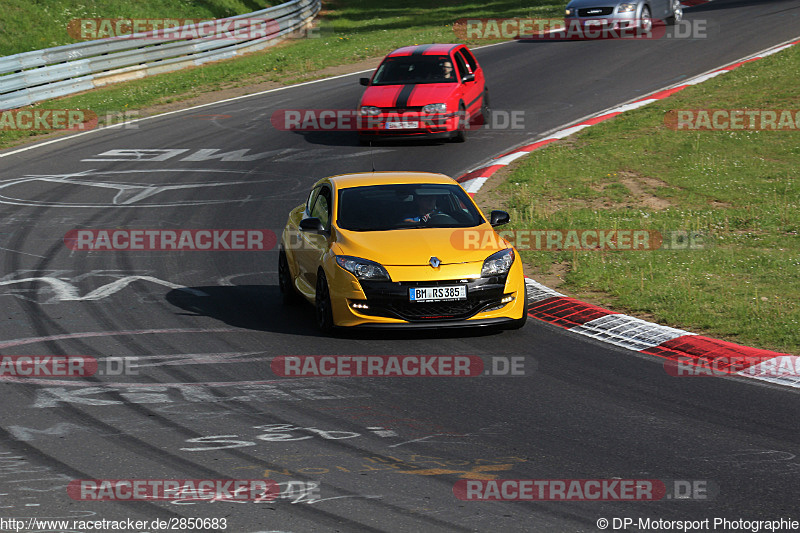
(204, 327)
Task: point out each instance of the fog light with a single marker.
(358, 305)
(503, 303)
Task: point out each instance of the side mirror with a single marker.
(468, 78)
(498, 218)
(363, 81)
(312, 225)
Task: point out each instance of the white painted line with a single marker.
(45, 143)
(705, 77)
(506, 159)
(767, 370)
(776, 50)
(788, 381)
(568, 131)
(474, 185)
(633, 105)
(23, 253)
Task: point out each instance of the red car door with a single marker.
(473, 90)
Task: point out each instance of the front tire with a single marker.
(646, 22)
(289, 296)
(461, 133)
(323, 304)
(677, 13)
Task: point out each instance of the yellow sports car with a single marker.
(400, 249)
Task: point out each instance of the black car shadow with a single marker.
(253, 307)
(260, 308)
(349, 138)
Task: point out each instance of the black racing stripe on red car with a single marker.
(404, 95)
(475, 100)
(421, 49)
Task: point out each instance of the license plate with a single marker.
(437, 294)
(404, 125)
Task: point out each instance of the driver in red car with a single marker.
(447, 70)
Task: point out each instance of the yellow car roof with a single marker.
(361, 179)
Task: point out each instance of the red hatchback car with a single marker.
(430, 90)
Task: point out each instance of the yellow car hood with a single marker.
(415, 247)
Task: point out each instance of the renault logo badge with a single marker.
(435, 262)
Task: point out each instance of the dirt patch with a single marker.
(554, 278)
(642, 188)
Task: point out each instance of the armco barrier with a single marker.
(43, 74)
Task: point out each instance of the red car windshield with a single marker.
(405, 70)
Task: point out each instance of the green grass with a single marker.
(36, 24)
(740, 189)
(350, 31)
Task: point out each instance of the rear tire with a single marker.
(323, 304)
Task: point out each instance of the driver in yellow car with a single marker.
(426, 208)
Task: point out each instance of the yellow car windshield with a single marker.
(405, 206)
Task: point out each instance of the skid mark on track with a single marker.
(127, 194)
(65, 289)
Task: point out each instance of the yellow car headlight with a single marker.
(362, 268)
(498, 263)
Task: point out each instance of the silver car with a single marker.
(624, 13)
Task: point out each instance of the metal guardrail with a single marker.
(43, 74)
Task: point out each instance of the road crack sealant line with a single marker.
(618, 329)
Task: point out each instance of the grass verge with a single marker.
(350, 31)
(36, 24)
(740, 190)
